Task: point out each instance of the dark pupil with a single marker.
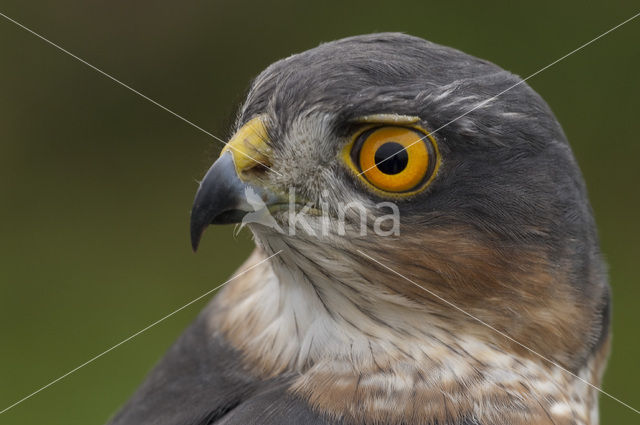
(391, 158)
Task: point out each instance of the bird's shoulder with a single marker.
(200, 380)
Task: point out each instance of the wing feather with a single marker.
(200, 381)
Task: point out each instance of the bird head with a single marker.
(421, 185)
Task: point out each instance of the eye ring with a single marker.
(394, 160)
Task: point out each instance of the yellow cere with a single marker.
(249, 146)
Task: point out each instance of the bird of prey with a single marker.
(485, 301)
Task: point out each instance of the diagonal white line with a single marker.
(91, 360)
(450, 304)
(128, 87)
(484, 102)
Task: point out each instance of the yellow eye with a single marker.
(395, 159)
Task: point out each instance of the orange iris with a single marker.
(394, 159)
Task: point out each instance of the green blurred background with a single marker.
(96, 183)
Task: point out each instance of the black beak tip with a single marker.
(195, 242)
(198, 225)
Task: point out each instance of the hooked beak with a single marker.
(219, 199)
(222, 195)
